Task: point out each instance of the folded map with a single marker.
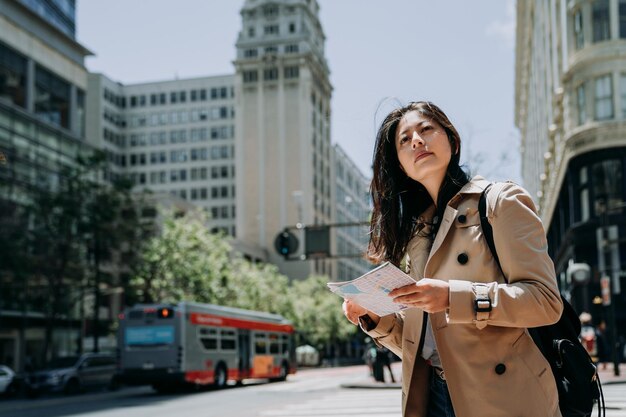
(371, 289)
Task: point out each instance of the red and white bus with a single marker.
(170, 345)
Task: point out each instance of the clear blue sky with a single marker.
(457, 53)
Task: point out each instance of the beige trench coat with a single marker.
(492, 366)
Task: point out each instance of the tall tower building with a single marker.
(570, 107)
(282, 146)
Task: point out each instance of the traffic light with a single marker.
(317, 241)
(286, 243)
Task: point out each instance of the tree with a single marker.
(318, 315)
(184, 262)
(73, 230)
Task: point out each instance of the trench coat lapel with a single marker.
(448, 219)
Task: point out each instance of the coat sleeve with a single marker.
(388, 332)
(530, 297)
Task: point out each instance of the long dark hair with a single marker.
(400, 201)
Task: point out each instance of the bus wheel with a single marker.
(220, 376)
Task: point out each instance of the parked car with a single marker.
(9, 381)
(72, 374)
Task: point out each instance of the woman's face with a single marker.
(423, 148)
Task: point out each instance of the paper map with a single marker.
(370, 289)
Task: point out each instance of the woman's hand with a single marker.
(431, 295)
(353, 311)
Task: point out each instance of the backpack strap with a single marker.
(486, 226)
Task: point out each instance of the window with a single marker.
(270, 74)
(622, 87)
(292, 72)
(292, 28)
(228, 340)
(603, 97)
(274, 344)
(173, 97)
(251, 32)
(270, 11)
(250, 76)
(579, 37)
(271, 50)
(52, 98)
(271, 30)
(607, 184)
(208, 338)
(12, 76)
(260, 343)
(600, 20)
(291, 49)
(250, 53)
(582, 104)
(584, 194)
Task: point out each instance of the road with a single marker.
(310, 393)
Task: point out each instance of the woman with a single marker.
(463, 341)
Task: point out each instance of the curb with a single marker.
(373, 385)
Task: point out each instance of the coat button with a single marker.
(500, 368)
(462, 218)
(462, 258)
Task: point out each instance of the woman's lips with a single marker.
(422, 155)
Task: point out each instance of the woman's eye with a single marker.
(426, 128)
(403, 140)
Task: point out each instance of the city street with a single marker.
(310, 393)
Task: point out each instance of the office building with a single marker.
(570, 107)
(43, 82)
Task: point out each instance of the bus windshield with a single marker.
(149, 336)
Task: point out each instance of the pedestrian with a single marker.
(384, 362)
(462, 338)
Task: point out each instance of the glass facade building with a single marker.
(59, 13)
(43, 82)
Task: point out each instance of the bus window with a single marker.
(208, 338)
(260, 343)
(285, 343)
(228, 340)
(274, 349)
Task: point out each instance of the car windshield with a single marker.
(65, 362)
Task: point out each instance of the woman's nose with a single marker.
(416, 140)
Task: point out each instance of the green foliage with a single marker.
(318, 316)
(186, 262)
(183, 262)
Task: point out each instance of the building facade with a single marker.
(282, 146)
(252, 148)
(174, 137)
(571, 111)
(351, 206)
(43, 83)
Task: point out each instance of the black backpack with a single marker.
(576, 376)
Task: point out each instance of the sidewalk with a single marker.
(370, 383)
(606, 377)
